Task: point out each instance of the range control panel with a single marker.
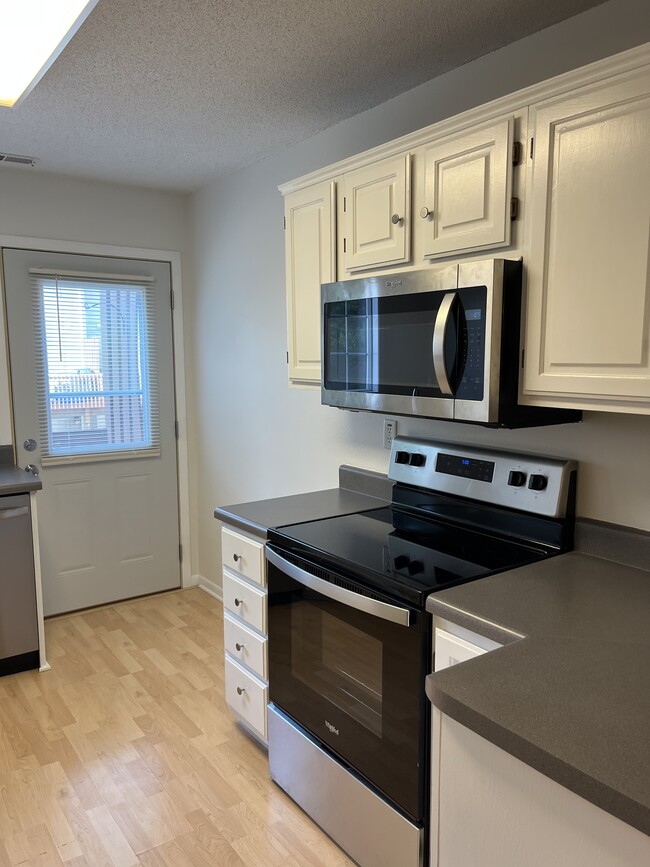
(516, 481)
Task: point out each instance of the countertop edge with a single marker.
(582, 784)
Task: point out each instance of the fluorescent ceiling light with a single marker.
(32, 35)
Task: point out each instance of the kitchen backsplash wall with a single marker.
(257, 438)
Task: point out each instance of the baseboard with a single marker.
(210, 587)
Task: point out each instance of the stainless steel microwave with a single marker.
(438, 343)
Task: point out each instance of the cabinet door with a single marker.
(377, 214)
(588, 317)
(468, 182)
(310, 261)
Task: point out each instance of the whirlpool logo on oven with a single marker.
(332, 728)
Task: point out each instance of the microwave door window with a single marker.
(351, 345)
(384, 345)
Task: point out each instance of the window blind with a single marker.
(96, 365)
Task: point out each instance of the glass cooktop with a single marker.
(401, 554)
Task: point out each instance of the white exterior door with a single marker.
(90, 346)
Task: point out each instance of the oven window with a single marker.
(339, 662)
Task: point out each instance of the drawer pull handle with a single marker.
(239, 646)
(236, 557)
(239, 602)
(240, 690)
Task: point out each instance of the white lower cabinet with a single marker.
(247, 695)
(496, 811)
(490, 809)
(244, 629)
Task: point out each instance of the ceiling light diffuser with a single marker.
(32, 35)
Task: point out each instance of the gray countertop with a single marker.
(13, 480)
(258, 517)
(569, 693)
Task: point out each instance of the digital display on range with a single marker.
(467, 468)
(472, 314)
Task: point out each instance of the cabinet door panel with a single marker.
(377, 214)
(588, 328)
(468, 182)
(310, 261)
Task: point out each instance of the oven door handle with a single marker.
(394, 613)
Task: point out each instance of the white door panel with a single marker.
(108, 521)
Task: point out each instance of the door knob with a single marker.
(395, 219)
(425, 212)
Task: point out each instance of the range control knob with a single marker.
(517, 478)
(537, 482)
(402, 457)
(418, 460)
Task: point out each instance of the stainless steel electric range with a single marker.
(350, 640)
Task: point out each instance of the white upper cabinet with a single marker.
(467, 190)
(588, 228)
(377, 214)
(310, 255)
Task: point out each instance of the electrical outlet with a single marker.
(390, 432)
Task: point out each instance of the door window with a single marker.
(94, 366)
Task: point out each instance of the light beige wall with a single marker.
(257, 438)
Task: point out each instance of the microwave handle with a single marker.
(438, 343)
(394, 613)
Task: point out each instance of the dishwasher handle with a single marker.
(18, 512)
(375, 607)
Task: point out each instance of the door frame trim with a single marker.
(173, 258)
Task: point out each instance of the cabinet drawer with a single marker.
(245, 601)
(245, 646)
(243, 556)
(247, 696)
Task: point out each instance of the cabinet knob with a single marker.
(238, 602)
(239, 646)
(240, 690)
(236, 557)
(395, 219)
(425, 212)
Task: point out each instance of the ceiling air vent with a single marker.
(17, 159)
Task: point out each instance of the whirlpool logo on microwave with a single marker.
(332, 728)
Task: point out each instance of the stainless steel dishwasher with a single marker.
(18, 619)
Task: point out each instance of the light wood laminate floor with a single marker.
(125, 753)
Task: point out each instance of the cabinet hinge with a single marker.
(284, 220)
(514, 208)
(180, 553)
(532, 147)
(345, 245)
(177, 430)
(171, 298)
(345, 204)
(516, 153)
(523, 353)
(287, 356)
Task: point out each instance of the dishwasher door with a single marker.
(18, 620)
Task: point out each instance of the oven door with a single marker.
(349, 668)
